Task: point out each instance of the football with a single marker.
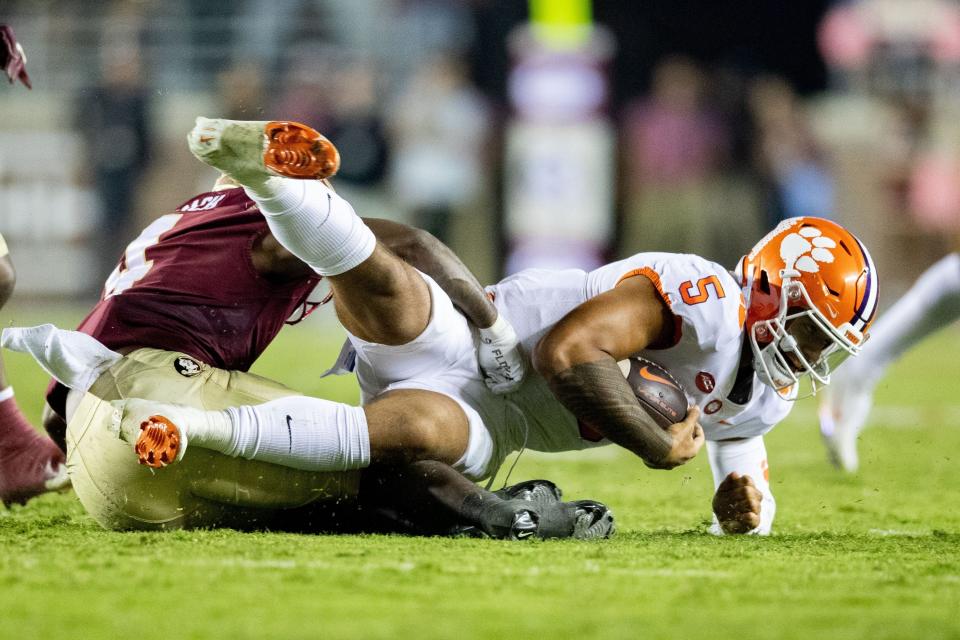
(657, 390)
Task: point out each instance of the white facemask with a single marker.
(770, 361)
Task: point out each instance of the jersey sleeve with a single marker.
(702, 295)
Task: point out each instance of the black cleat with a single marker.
(593, 520)
(525, 525)
(523, 521)
(533, 509)
(581, 520)
(541, 493)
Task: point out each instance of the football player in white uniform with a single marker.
(932, 303)
(739, 343)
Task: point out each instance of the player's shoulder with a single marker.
(702, 293)
(676, 273)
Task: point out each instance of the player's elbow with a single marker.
(551, 356)
(410, 243)
(566, 345)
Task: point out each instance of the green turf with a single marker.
(873, 555)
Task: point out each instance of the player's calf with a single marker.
(408, 425)
(298, 432)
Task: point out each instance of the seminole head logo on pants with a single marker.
(186, 366)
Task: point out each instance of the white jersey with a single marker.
(703, 296)
(709, 308)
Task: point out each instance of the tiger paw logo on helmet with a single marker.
(806, 249)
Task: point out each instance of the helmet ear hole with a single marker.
(764, 282)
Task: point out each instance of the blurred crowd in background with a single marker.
(685, 126)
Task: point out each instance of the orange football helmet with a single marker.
(807, 268)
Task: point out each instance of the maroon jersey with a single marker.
(188, 284)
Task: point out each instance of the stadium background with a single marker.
(676, 125)
(680, 125)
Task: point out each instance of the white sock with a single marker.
(208, 429)
(314, 224)
(299, 432)
(931, 303)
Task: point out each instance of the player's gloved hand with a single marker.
(737, 504)
(500, 357)
(687, 437)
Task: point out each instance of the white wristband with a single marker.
(498, 330)
(6, 394)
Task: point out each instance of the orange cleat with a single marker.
(159, 442)
(295, 150)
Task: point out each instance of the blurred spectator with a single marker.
(674, 147)
(420, 29)
(798, 183)
(440, 127)
(211, 27)
(891, 47)
(355, 125)
(113, 118)
(242, 93)
(892, 125)
(306, 87)
(338, 92)
(934, 196)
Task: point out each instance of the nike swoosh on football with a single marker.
(645, 373)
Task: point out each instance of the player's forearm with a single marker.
(598, 394)
(424, 252)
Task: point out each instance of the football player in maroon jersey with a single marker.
(194, 301)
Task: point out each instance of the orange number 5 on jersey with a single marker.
(702, 293)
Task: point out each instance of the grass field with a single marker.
(875, 555)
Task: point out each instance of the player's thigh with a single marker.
(204, 489)
(445, 348)
(383, 300)
(427, 420)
